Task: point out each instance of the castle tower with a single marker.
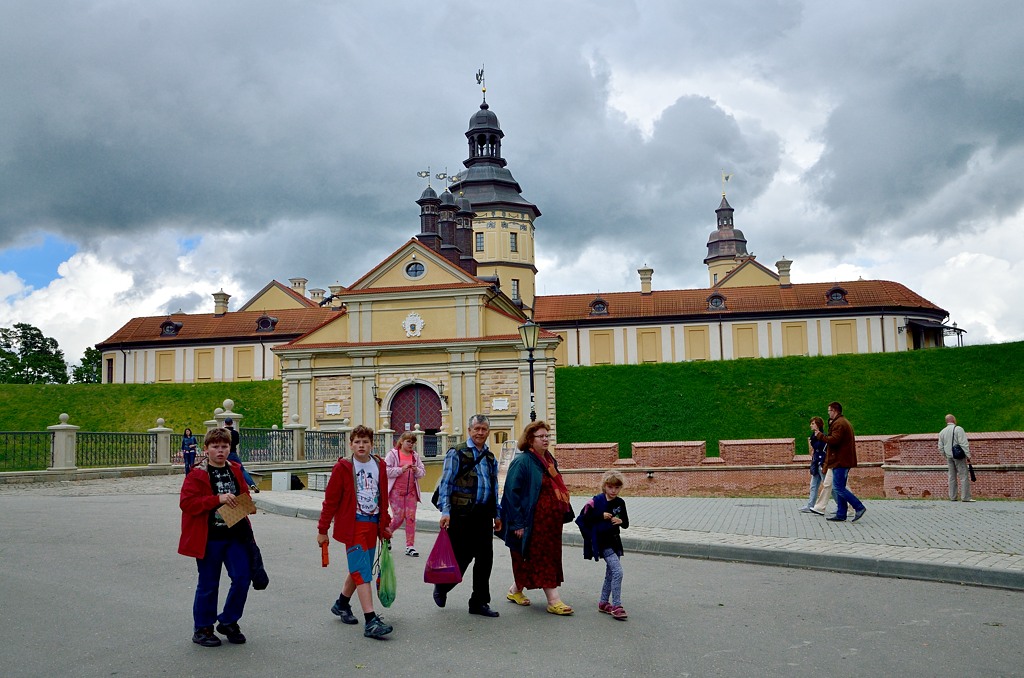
(503, 228)
(430, 234)
(726, 245)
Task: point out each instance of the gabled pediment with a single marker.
(276, 296)
(749, 273)
(413, 265)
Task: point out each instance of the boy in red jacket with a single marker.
(359, 509)
(208, 539)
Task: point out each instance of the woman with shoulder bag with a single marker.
(534, 506)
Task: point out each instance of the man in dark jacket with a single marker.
(840, 458)
(229, 424)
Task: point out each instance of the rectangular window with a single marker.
(513, 241)
(515, 288)
(110, 370)
(479, 242)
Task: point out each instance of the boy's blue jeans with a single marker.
(233, 556)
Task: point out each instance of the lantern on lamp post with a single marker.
(529, 332)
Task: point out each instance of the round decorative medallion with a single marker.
(413, 324)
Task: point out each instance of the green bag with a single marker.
(387, 583)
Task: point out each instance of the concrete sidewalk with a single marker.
(980, 543)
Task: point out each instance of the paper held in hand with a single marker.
(243, 507)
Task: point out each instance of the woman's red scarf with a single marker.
(561, 491)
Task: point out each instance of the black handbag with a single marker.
(958, 452)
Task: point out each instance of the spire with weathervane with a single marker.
(726, 244)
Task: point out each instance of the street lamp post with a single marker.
(529, 332)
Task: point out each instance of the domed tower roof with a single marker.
(725, 242)
(428, 194)
(485, 120)
(485, 182)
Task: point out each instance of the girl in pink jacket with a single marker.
(405, 468)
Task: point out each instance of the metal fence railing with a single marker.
(115, 449)
(261, 445)
(31, 451)
(325, 445)
(381, 444)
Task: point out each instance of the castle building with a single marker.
(429, 336)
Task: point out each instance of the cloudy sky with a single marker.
(154, 152)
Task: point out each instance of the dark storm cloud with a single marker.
(298, 127)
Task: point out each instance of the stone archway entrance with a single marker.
(417, 404)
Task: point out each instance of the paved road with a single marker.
(90, 585)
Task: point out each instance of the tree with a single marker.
(88, 372)
(28, 357)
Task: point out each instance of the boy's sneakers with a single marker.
(376, 628)
(618, 612)
(604, 607)
(232, 633)
(254, 490)
(410, 551)
(345, 612)
(204, 636)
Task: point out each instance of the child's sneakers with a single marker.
(344, 611)
(604, 607)
(232, 632)
(619, 613)
(376, 628)
(204, 636)
(410, 551)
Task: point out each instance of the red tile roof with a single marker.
(802, 298)
(207, 327)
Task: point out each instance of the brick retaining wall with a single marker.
(893, 466)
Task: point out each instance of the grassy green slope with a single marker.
(742, 399)
(135, 407)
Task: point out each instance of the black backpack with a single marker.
(463, 471)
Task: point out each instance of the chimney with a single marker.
(298, 285)
(220, 302)
(317, 295)
(784, 265)
(646, 273)
(336, 291)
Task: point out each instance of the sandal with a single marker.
(560, 608)
(518, 598)
(619, 613)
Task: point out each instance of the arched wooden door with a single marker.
(416, 404)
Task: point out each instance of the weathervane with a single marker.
(480, 80)
(725, 178)
(445, 177)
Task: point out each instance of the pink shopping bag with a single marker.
(441, 566)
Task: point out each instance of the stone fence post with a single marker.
(163, 444)
(64, 444)
(418, 432)
(298, 432)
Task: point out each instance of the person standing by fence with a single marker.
(957, 463)
(229, 424)
(189, 446)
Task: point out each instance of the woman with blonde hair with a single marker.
(405, 468)
(534, 506)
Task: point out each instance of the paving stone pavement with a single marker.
(980, 543)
